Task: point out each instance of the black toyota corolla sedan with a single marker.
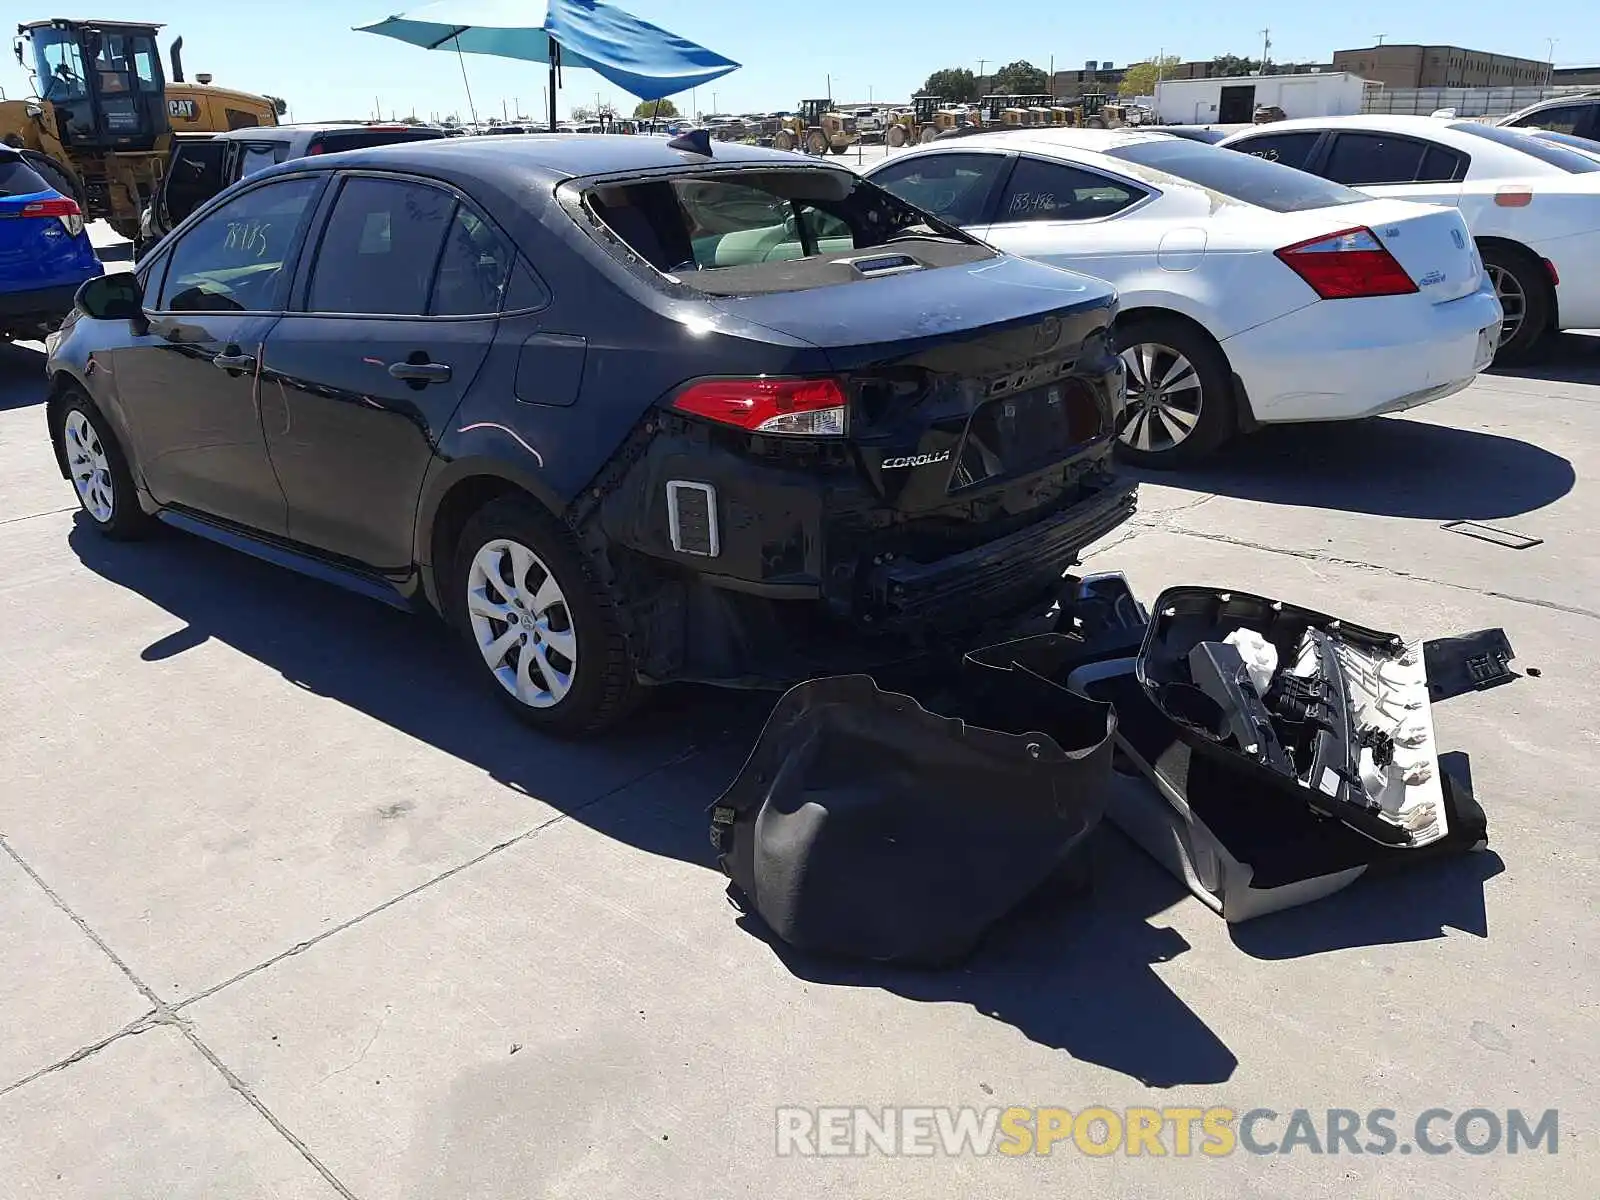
(621, 412)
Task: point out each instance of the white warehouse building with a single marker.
(1233, 100)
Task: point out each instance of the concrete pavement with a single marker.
(294, 910)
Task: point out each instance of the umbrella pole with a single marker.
(555, 55)
(471, 108)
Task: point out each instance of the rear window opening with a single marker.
(17, 178)
(1239, 175)
(755, 231)
(1570, 161)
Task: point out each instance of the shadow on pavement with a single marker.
(1071, 971)
(1383, 466)
(405, 671)
(1569, 358)
(21, 376)
(1379, 910)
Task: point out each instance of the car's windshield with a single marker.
(692, 226)
(1551, 155)
(1256, 181)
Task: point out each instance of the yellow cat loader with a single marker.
(100, 126)
(817, 129)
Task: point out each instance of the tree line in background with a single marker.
(1022, 78)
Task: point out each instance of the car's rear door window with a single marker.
(379, 249)
(1048, 191)
(237, 258)
(1371, 159)
(782, 229)
(955, 187)
(471, 279)
(337, 140)
(258, 156)
(1287, 149)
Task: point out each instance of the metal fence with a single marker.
(1466, 101)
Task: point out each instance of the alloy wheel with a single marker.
(89, 467)
(1164, 395)
(521, 623)
(1513, 300)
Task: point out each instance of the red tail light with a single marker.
(315, 148)
(1342, 266)
(65, 210)
(797, 407)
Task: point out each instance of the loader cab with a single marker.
(811, 111)
(103, 80)
(925, 108)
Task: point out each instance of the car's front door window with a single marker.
(1369, 159)
(237, 258)
(953, 187)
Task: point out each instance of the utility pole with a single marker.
(1380, 37)
(1266, 48)
(1550, 60)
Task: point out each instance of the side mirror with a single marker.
(116, 297)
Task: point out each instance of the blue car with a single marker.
(44, 252)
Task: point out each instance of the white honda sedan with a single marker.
(1532, 205)
(1250, 293)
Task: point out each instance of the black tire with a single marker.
(895, 137)
(1522, 271)
(1217, 419)
(604, 687)
(127, 521)
(840, 147)
(927, 135)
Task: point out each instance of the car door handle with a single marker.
(421, 372)
(234, 362)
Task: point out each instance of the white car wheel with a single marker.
(90, 467)
(521, 623)
(1165, 396)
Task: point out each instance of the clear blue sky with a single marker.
(305, 51)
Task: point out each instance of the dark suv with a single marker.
(203, 164)
(1576, 116)
(620, 411)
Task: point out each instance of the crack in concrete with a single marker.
(151, 1020)
(302, 947)
(162, 1014)
(49, 512)
(1360, 565)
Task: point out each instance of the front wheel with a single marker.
(1180, 393)
(540, 626)
(816, 144)
(896, 137)
(99, 471)
(783, 140)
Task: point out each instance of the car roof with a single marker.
(1374, 122)
(286, 132)
(1046, 138)
(555, 155)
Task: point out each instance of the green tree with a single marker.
(952, 83)
(1140, 78)
(1021, 78)
(647, 109)
(583, 113)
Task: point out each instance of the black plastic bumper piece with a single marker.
(1002, 574)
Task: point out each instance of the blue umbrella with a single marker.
(637, 56)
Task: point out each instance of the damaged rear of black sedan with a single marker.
(651, 415)
(917, 446)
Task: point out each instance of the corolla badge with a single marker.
(915, 460)
(1459, 239)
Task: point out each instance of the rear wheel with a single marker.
(99, 470)
(1523, 285)
(783, 140)
(928, 134)
(840, 147)
(1180, 393)
(540, 626)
